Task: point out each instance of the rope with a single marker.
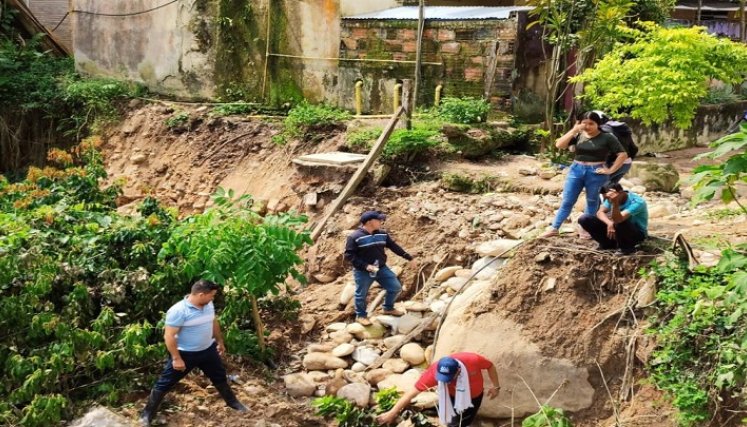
(88, 12)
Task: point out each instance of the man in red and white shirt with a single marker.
(448, 370)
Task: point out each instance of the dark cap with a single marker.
(446, 369)
(369, 215)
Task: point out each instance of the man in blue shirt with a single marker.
(621, 222)
(365, 250)
(194, 340)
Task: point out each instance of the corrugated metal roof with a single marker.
(443, 13)
(708, 6)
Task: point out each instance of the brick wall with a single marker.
(459, 54)
(49, 13)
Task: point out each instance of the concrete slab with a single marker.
(335, 158)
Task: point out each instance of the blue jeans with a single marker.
(617, 176)
(580, 177)
(388, 281)
(207, 360)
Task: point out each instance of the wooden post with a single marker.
(742, 25)
(419, 52)
(349, 189)
(407, 102)
(267, 49)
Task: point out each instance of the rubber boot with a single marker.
(154, 401)
(227, 394)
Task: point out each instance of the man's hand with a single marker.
(611, 231)
(371, 268)
(387, 417)
(221, 349)
(413, 263)
(178, 364)
(493, 392)
(603, 171)
(614, 197)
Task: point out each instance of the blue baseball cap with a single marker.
(446, 369)
(369, 215)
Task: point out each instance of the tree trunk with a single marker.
(697, 13)
(258, 325)
(742, 29)
(419, 54)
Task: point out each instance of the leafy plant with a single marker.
(95, 98)
(700, 328)
(233, 109)
(464, 110)
(305, 118)
(708, 180)
(386, 399)
(663, 74)
(547, 416)
(178, 119)
(405, 145)
(344, 412)
(720, 95)
(362, 138)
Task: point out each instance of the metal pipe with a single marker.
(396, 101)
(437, 99)
(320, 58)
(359, 97)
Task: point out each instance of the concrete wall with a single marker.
(164, 49)
(455, 54)
(711, 123)
(50, 13)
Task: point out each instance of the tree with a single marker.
(663, 74)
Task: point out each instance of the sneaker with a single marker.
(363, 321)
(550, 233)
(394, 312)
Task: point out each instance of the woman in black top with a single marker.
(588, 170)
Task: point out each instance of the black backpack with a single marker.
(624, 134)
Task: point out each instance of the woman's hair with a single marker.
(593, 116)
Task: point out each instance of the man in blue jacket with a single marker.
(365, 249)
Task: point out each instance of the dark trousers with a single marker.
(627, 235)
(207, 360)
(468, 416)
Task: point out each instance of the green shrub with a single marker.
(306, 117)
(362, 139)
(465, 184)
(386, 399)
(547, 417)
(405, 145)
(233, 109)
(177, 120)
(720, 95)
(700, 329)
(464, 110)
(95, 100)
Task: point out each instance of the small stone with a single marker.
(464, 273)
(365, 355)
(528, 171)
(348, 292)
(392, 341)
(138, 158)
(299, 385)
(407, 323)
(455, 283)
(320, 361)
(342, 350)
(412, 353)
(340, 337)
(396, 365)
(320, 348)
(415, 306)
(425, 400)
(356, 329)
(547, 174)
(542, 257)
(358, 367)
(429, 354)
(324, 278)
(318, 376)
(334, 327)
(496, 247)
(446, 273)
(162, 168)
(374, 376)
(438, 306)
(357, 393)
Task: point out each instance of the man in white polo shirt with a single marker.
(194, 340)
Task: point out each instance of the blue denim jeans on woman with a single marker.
(580, 177)
(363, 280)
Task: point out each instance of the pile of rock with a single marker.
(342, 364)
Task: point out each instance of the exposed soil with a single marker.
(184, 167)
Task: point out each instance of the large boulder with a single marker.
(357, 393)
(517, 356)
(102, 417)
(655, 176)
(403, 382)
(412, 353)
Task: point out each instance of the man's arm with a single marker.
(391, 415)
(169, 337)
(218, 336)
(602, 215)
(351, 254)
(493, 375)
(618, 216)
(397, 249)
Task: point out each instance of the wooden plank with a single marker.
(356, 179)
(32, 26)
(407, 102)
(492, 65)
